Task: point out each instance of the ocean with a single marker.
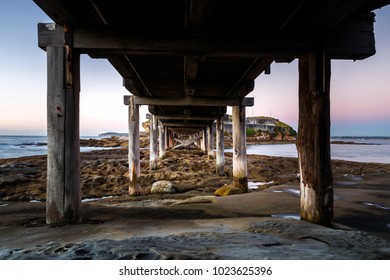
(365, 149)
(21, 146)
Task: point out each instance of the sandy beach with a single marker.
(193, 223)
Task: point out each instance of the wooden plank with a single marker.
(313, 142)
(191, 101)
(240, 169)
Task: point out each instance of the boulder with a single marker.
(228, 190)
(162, 187)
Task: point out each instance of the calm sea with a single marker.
(20, 146)
(365, 149)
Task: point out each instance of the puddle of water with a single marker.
(94, 199)
(2, 205)
(34, 201)
(287, 216)
(277, 191)
(293, 191)
(376, 205)
(255, 185)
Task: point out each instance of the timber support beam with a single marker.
(191, 101)
(153, 145)
(240, 169)
(313, 141)
(134, 149)
(63, 193)
(220, 155)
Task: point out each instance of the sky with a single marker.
(360, 90)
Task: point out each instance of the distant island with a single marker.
(111, 134)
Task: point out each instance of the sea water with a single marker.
(364, 149)
(21, 146)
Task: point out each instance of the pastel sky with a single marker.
(360, 91)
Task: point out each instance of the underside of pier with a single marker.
(187, 60)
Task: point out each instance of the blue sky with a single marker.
(360, 91)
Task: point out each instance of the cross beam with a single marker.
(187, 117)
(190, 101)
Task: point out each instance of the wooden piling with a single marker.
(210, 142)
(161, 142)
(220, 155)
(63, 192)
(134, 149)
(240, 170)
(153, 145)
(203, 145)
(313, 143)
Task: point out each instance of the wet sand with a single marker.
(193, 223)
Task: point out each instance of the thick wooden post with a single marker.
(153, 144)
(210, 142)
(134, 149)
(313, 141)
(166, 144)
(161, 143)
(240, 172)
(220, 156)
(203, 145)
(170, 139)
(63, 193)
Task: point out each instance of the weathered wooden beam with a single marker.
(186, 142)
(191, 66)
(220, 155)
(240, 169)
(50, 34)
(132, 81)
(313, 140)
(134, 149)
(106, 41)
(191, 101)
(246, 83)
(186, 125)
(186, 117)
(63, 193)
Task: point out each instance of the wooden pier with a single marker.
(187, 61)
